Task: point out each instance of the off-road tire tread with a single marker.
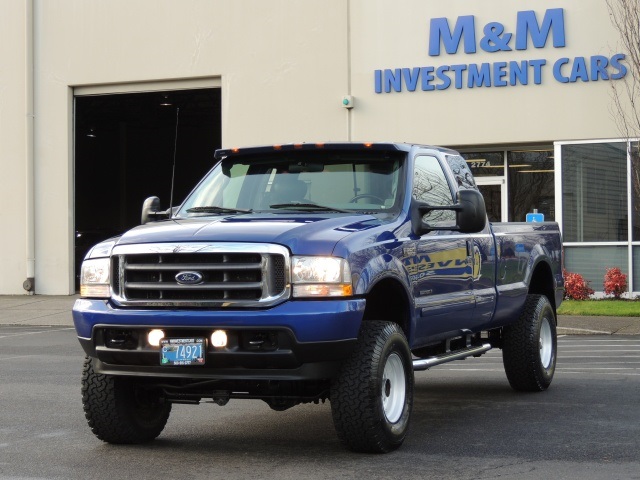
(520, 350)
(109, 414)
(353, 395)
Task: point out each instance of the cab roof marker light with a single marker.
(346, 146)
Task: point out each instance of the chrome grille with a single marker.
(224, 275)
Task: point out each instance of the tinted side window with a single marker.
(430, 186)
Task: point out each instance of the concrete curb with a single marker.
(41, 310)
(583, 325)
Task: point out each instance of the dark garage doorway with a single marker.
(124, 150)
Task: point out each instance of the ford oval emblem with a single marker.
(189, 278)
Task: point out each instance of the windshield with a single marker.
(365, 182)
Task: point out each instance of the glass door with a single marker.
(495, 198)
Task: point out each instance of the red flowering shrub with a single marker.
(615, 282)
(576, 287)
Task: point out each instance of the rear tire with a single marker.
(371, 399)
(119, 410)
(529, 346)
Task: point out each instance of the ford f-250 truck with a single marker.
(301, 273)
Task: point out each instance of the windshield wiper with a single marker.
(307, 207)
(214, 209)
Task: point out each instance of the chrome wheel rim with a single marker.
(393, 388)
(546, 343)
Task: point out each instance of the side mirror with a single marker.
(471, 214)
(151, 211)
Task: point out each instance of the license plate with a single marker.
(182, 351)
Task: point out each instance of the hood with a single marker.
(305, 234)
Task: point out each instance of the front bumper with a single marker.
(297, 340)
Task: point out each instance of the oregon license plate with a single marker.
(182, 351)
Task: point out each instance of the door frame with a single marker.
(502, 182)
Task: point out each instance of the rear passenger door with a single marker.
(439, 262)
(483, 253)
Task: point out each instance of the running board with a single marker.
(426, 363)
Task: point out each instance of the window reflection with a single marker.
(430, 186)
(461, 171)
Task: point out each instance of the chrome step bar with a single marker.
(427, 363)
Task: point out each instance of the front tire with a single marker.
(529, 346)
(119, 410)
(371, 399)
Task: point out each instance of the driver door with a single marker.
(440, 268)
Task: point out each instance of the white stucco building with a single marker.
(90, 93)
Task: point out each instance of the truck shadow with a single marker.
(452, 416)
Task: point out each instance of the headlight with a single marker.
(320, 277)
(95, 278)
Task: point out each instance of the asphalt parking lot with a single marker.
(467, 423)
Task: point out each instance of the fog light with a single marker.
(154, 337)
(219, 338)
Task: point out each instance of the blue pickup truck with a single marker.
(312, 272)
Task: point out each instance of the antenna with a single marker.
(173, 170)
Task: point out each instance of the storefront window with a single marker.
(636, 269)
(485, 164)
(531, 184)
(592, 262)
(635, 188)
(594, 200)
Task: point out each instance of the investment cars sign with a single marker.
(529, 32)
